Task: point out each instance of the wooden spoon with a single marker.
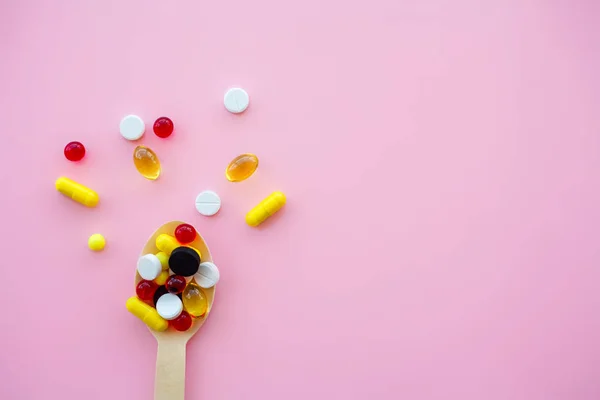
(169, 382)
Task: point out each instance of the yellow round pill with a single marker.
(162, 278)
(164, 260)
(96, 242)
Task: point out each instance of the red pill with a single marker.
(185, 233)
(145, 290)
(74, 151)
(183, 322)
(163, 127)
(175, 284)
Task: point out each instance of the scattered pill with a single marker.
(163, 127)
(74, 151)
(159, 292)
(236, 100)
(242, 167)
(77, 192)
(146, 162)
(164, 259)
(145, 290)
(184, 261)
(194, 300)
(265, 209)
(147, 314)
(96, 242)
(167, 243)
(183, 322)
(132, 127)
(149, 267)
(175, 284)
(161, 279)
(208, 275)
(185, 233)
(208, 203)
(169, 306)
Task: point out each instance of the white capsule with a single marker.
(236, 100)
(132, 127)
(208, 275)
(169, 306)
(149, 267)
(208, 203)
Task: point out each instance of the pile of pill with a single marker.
(172, 282)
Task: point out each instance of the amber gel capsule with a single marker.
(194, 300)
(241, 168)
(146, 162)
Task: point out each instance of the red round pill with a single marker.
(145, 290)
(185, 233)
(163, 127)
(175, 284)
(74, 151)
(183, 322)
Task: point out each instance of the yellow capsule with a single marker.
(265, 209)
(161, 279)
(195, 301)
(146, 162)
(77, 192)
(241, 168)
(147, 314)
(167, 243)
(164, 260)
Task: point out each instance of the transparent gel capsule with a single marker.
(195, 301)
(146, 162)
(242, 167)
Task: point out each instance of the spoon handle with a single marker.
(169, 383)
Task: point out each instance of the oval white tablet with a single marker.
(236, 100)
(208, 203)
(207, 275)
(149, 267)
(132, 127)
(169, 306)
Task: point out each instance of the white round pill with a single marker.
(208, 203)
(149, 267)
(169, 306)
(207, 275)
(132, 127)
(236, 100)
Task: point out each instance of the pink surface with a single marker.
(440, 159)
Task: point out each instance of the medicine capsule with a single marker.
(185, 233)
(195, 301)
(183, 322)
(74, 151)
(167, 243)
(147, 314)
(241, 168)
(145, 290)
(175, 284)
(164, 260)
(146, 162)
(265, 209)
(77, 192)
(161, 279)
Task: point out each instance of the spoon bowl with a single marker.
(170, 360)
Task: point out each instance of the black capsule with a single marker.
(184, 261)
(160, 291)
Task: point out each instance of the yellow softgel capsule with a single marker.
(147, 314)
(78, 192)
(96, 242)
(167, 243)
(161, 279)
(241, 168)
(146, 162)
(195, 301)
(265, 209)
(164, 259)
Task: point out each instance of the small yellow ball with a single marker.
(164, 260)
(162, 278)
(96, 242)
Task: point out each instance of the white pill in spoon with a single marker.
(149, 267)
(169, 306)
(208, 275)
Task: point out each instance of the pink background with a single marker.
(441, 163)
